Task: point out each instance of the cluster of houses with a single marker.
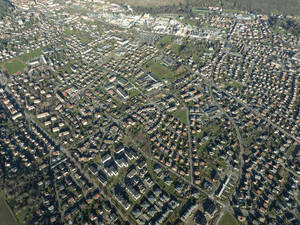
(76, 194)
(264, 169)
(270, 86)
(170, 145)
(200, 217)
(264, 175)
(9, 105)
(135, 55)
(25, 38)
(138, 192)
(26, 146)
(73, 194)
(154, 204)
(88, 85)
(27, 149)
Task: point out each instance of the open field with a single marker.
(5, 216)
(14, 66)
(165, 41)
(228, 219)
(27, 56)
(159, 70)
(181, 115)
(82, 35)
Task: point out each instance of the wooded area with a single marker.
(285, 7)
(5, 7)
(287, 24)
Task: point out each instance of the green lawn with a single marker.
(27, 56)
(234, 84)
(187, 20)
(159, 70)
(68, 32)
(84, 37)
(134, 92)
(228, 219)
(14, 66)
(181, 114)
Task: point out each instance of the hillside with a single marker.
(286, 7)
(5, 7)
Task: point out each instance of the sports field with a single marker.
(14, 66)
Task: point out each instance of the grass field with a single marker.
(14, 66)
(228, 219)
(181, 115)
(82, 35)
(200, 10)
(159, 70)
(6, 217)
(134, 92)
